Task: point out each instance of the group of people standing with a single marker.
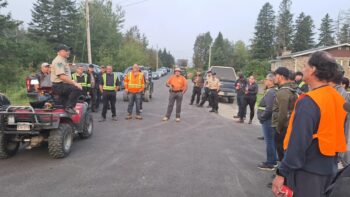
(303, 120)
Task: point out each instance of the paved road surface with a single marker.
(205, 155)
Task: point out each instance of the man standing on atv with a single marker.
(62, 84)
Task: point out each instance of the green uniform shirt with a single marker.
(59, 67)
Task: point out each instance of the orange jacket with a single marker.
(134, 84)
(330, 134)
(178, 83)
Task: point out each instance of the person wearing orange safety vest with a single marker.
(134, 84)
(315, 133)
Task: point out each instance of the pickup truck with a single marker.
(227, 77)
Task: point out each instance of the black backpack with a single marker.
(340, 186)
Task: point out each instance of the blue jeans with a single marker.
(134, 98)
(269, 136)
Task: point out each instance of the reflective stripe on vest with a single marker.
(107, 87)
(301, 84)
(135, 85)
(330, 134)
(262, 108)
(83, 84)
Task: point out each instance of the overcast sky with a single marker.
(174, 24)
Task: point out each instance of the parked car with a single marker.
(227, 77)
(155, 75)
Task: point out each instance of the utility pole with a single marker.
(209, 63)
(88, 40)
(157, 58)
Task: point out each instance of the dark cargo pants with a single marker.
(174, 96)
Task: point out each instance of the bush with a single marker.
(259, 69)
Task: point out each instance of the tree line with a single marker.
(64, 21)
(274, 34)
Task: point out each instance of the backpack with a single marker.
(340, 184)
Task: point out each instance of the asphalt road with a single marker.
(205, 155)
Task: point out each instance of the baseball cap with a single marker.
(45, 64)
(282, 71)
(63, 47)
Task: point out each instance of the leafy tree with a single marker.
(201, 51)
(166, 59)
(284, 29)
(263, 41)
(326, 37)
(240, 55)
(344, 34)
(303, 38)
(259, 69)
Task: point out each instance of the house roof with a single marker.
(307, 52)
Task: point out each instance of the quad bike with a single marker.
(43, 122)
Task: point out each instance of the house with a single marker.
(295, 61)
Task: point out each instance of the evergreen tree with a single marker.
(218, 57)
(326, 37)
(344, 34)
(201, 51)
(284, 30)
(41, 19)
(263, 41)
(303, 38)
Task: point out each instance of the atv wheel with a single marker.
(60, 141)
(125, 97)
(146, 97)
(88, 127)
(8, 147)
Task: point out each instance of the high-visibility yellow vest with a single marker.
(132, 83)
(109, 87)
(83, 84)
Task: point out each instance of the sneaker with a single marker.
(102, 120)
(165, 119)
(265, 166)
(138, 117)
(177, 119)
(70, 110)
(128, 117)
(114, 118)
(261, 138)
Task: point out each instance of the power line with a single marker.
(134, 3)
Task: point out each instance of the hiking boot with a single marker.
(177, 120)
(70, 110)
(128, 117)
(165, 119)
(138, 117)
(102, 120)
(266, 166)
